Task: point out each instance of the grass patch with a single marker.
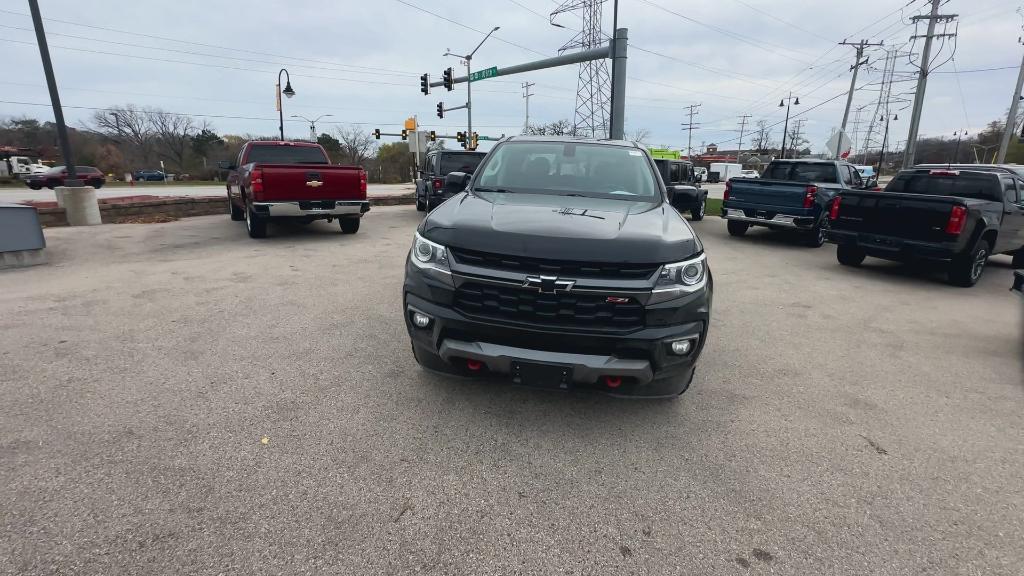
(713, 207)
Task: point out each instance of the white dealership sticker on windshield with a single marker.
(635, 153)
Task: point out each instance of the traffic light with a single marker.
(474, 143)
(433, 136)
(405, 134)
(449, 79)
(425, 84)
(376, 133)
(460, 137)
(440, 109)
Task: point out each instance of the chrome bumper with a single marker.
(341, 208)
(780, 220)
(586, 368)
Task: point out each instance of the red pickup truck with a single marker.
(293, 180)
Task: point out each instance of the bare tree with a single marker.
(639, 136)
(761, 140)
(556, 128)
(130, 126)
(796, 141)
(173, 135)
(356, 145)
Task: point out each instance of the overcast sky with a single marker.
(360, 62)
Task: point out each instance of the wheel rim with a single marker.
(702, 204)
(821, 235)
(979, 264)
(248, 217)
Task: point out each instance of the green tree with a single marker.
(331, 144)
(206, 141)
(395, 161)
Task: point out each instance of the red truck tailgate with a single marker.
(289, 183)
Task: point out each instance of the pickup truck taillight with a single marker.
(728, 190)
(256, 181)
(833, 212)
(438, 184)
(957, 219)
(362, 181)
(809, 193)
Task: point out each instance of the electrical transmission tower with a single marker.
(594, 85)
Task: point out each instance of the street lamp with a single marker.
(287, 92)
(312, 124)
(469, 92)
(785, 102)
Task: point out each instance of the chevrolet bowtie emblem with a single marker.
(548, 284)
(314, 183)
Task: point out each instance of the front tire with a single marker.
(965, 270)
(850, 255)
(737, 228)
(697, 214)
(256, 226)
(35, 186)
(349, 225)
(421, 206)
(97, 184)
(1018, 258)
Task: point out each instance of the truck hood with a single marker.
(562, 228)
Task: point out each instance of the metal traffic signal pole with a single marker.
(616, 50)
(51, 83)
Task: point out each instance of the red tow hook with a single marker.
(474, 365)
(613, 381)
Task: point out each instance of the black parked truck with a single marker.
(684, 191)
(956, 218)
(430, 188)
(560, 264)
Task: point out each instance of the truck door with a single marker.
(1011, 230)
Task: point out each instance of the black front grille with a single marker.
(579, 311)
(563, 268)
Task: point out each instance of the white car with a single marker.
(750, 174)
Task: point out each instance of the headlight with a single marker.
(680, 278)
(427, 254)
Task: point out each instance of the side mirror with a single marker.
(456, 182)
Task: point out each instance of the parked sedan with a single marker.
(149, 176)
(750, 174)
(55, 177)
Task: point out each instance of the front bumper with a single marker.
(640, 362)
(768, 218)
(892, 248)
(322, 208)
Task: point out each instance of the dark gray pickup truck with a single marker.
(957, 218)
(792, 194)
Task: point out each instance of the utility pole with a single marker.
(857, 63)
(1011, 119)
(796, 134)
(739, 147)
(689, 126)
(51, 83)
(922, 77)
(526, 96)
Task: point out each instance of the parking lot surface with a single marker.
(22, 193)
(179, 398)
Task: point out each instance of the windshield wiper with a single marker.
(485, 189)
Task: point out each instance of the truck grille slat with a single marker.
(571, 269)
(570, 311)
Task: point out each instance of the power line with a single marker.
(461, 25)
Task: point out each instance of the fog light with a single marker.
(682, 347)
(420, 320)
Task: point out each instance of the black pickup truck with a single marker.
(560, 264)
(955, 217)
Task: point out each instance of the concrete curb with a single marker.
(117, 213)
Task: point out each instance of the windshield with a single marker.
(980, 186)
(278, 154)
(460, 163)
(569, 169)
(801, 172)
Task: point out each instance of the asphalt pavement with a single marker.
(181, 399)
(171, 190)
